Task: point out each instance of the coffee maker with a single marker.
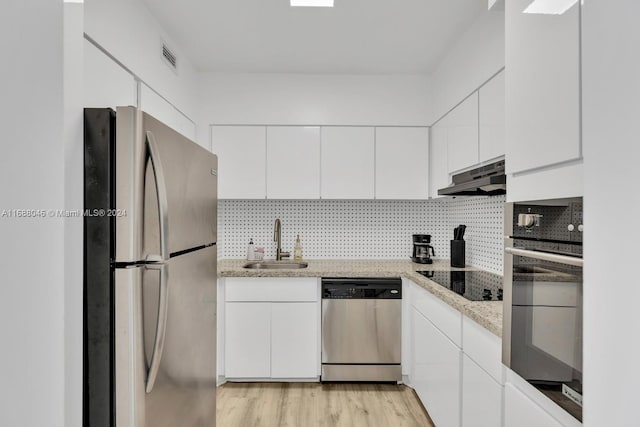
(421, 249)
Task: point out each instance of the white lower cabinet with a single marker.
(435, 372)
(456, 366)
(271, 328)
(481, 397)
(248, 340)
(520, 411)
(294, 342)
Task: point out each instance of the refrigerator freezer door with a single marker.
(189, 189)
(187, 183)
(184, 390)
(130, 155)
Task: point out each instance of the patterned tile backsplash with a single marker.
(360, 229)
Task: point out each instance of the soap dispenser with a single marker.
(297, 249)
(251, 251)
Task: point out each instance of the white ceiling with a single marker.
(355, 36)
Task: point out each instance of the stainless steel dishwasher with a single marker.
(361, 329)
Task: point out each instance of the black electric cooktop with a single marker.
(473, 285)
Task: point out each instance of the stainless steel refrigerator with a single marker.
(150, 225)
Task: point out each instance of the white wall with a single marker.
(73, 200)
(476, 57)
(32, 292)
(306, 99)
(611, 89)
(128, 31)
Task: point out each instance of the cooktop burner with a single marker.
(473, 285)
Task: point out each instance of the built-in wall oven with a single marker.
(542, 336)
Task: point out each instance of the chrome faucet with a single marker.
(277, 237)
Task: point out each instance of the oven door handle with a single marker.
(545, 256)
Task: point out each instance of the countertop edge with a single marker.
(486, 314)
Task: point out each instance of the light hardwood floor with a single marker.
(313, 404)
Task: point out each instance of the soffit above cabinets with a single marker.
(353, 37)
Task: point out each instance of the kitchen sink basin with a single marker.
(271, 265)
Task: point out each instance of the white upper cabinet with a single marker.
(158, 107)
(402, 163)
(463, 134)
(241, 154)
(347, 162)
(293, 162)
(439, 168)
(542, 86)
(492, 120)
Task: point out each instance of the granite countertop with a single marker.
(486, 313)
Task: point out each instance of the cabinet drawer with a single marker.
(271, 289)
(483, 347)
(444, 317)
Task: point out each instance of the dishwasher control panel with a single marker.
(362, 288)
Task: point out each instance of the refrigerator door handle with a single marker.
(163, 306)
(161, 192)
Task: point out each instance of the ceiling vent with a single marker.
(169, 57)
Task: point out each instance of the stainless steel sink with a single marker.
(269, 265)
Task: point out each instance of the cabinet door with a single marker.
(435, 372)
(347, 162)
(520, 411)
(247, 340)
(463, 134)
(439, 168)
(481, 397)
(542, 85)
(241, 154)
(158, 107)
(294, 340)
(402, 163)
(293, 162)
(492, 122)
(483, 347)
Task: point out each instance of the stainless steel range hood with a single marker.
(488, 180)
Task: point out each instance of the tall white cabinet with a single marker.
(347, 162)
(293, 162)
(402, 163)
(542, 86)
(241, 154)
